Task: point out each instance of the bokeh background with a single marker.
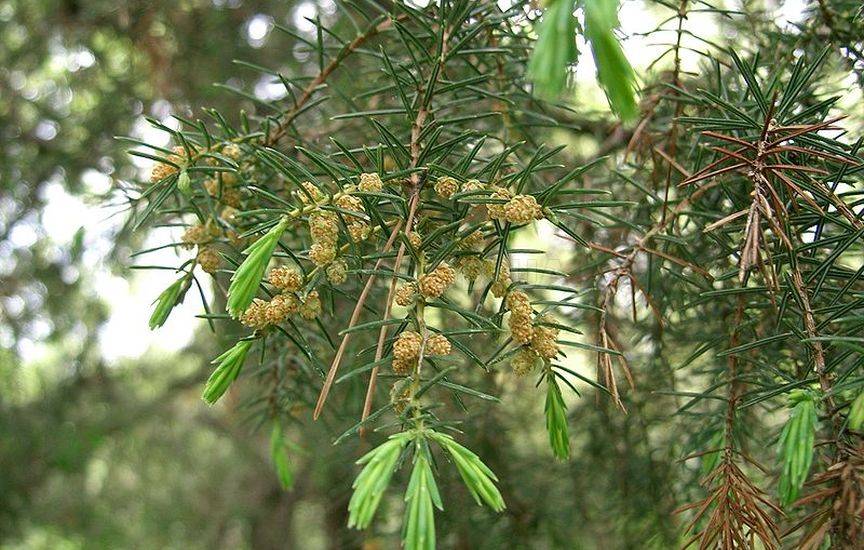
(104, 441)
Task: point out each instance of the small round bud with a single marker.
(437, 344)
(415, 239)
(280, 308)
(285, 279)
(521, 328)
(311, 307)
(522, 209)
(502, 282)
(255, 316)
(496, 210)
(524, 361)
(518, 303)
(446, 186)
(406, 294)
(208, 259)
(309, 194)
(337, 272)
(322, 254)
(370, 183)
(232, 151)
(407, 345)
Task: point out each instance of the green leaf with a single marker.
(228, 367)
(556, 420)
(279, 456)
(76, 248)
(373, 479)
(184, 183)
(614, 73)
(245, 281)
(796, 446)
(856, 412)
(421, 497)
(555, 49)
(168, 300)
(477, 476)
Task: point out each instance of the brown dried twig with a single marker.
(839, 493)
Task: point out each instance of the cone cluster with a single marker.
(437, 345)
(224, 192)
(433, 285)
(522, 209)
(406, 294)
(358, 229)
(543, 341)
(518, 209)
(538, 338)
(312, 194)
(208, 259)
(502, 282)
(446, 187)
(472, 266)
(400, 397)
(262, 313)
(406, 349)
(337, 272)
(310, 308)
(473, 185)
(232, 151)
(370, 183)
(415, 239)
(519, 305)
(162, 170)
(523, 362)
(285, 279)
(199, 234)
(324, 229)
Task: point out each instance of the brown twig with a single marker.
(416, 130)
(355, 316)
(414, 147)
(739, 509)
(285, 121)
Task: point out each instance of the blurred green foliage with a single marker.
(99, 455)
